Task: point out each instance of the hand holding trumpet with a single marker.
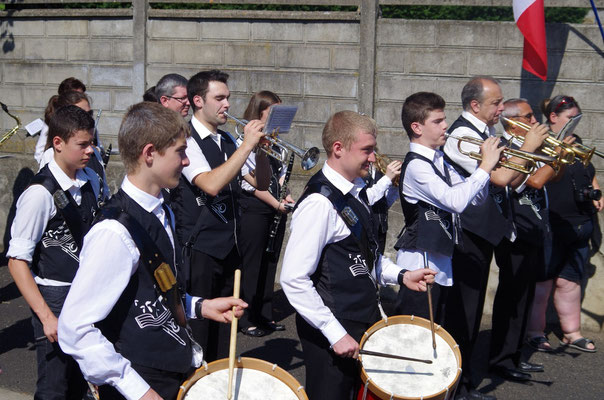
(535, 137)
(491, 154)
(253, 135)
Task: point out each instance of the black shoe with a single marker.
(253, 331)
(476, 395)
(273, 326)
(525, 366)
(511, 374)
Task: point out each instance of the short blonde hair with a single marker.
(148, 123)
(344, 126)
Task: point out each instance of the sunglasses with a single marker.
(565, 100)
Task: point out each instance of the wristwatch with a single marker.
(198, 313)
(400, 276)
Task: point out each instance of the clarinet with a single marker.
(270, 244)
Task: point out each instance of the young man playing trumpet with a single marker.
(433, 195)
(332, 267)
(206, 201)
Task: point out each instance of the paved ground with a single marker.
(569, 374)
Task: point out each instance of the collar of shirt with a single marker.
(203, 131)
(436, 156)
(147, 201)
(65, 182)
(341, 183)
(481, 126)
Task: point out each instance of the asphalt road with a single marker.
(569, 374)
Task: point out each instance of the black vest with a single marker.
(57, 253)
(218, 216)
(531, 215)
(343, 276)
(492, 219)
(380, 211)
(140, 326)
(250, 203)
(427, 227)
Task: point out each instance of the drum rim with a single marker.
(244, 362)
(412, 320)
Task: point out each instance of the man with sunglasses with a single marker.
(171, 91)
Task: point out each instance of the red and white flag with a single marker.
(530, 18)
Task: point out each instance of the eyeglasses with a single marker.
(181, 100)
(528, 116)
(565, 100)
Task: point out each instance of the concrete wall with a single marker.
(321, 64)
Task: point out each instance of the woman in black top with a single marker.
(573, 203)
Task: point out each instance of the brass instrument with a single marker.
(578, 151)
(309, 158)
(531, 158)
(381, 163)
(12, 131)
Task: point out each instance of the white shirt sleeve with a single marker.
(197, 161)
(86, 305)
(378, 190)
(314, 225)
(35, 208)
(387, 271)
(421, 183)
(41, 143)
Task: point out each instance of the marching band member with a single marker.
(432, 195)
(171, 92)
(53, 214)
(482, 102)
(206, 201)
(332, 267)
(118, 321)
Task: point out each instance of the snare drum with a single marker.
(404, 335)
(252, 379)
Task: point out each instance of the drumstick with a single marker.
(429, 290)
(386, 355)
(233, 344)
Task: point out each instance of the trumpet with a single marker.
(569, 152)
(12, 131)
(381, 163)
(531, 158)
(309, 158)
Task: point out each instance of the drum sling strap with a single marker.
(152, 259)
(66, 206)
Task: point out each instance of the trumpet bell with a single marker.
(310, 158)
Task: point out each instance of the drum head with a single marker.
(252, 379)
(410, 337)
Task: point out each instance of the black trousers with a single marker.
(410, 302)
(329, 376)
(518, 265)
(165, 383)
(465, 302)
(258, 267)
(211, 277)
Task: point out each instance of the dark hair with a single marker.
(146, 123)
(259, 102)
(473, 90)
(198, 84)
(61, 100)
(71, 84)
(66, 121)
(150, 95)
(558, 105)
(167, 83)
(417, 108)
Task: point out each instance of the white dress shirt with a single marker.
(108, 260)
(315, 224)
(41, 143)
(421, 183)
(197, 160)
(383, 187)
(451, 149)
(36, 207)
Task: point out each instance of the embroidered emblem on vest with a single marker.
(62, 238)
(349, 215)
(359, 267)
(533, 201)
(432, 216)
(150, 318)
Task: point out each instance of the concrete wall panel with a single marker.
(225, 30)
(198, 53)
(85, 50)
(46, 49)
(68, 28)
(331, 32)
(345, 58)
(303, 57)
(277, 31)
(111, 27)
(396, 32)
(470, 34)
(177, 30)
(336, 85)
(111, 76)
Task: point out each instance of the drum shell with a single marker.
(248, 363)
(375, 392)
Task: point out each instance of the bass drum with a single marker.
(252, 379)
(404, 335)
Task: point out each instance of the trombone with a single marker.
(569, 152)
(12, 131)
(309, 158)
(531, 158)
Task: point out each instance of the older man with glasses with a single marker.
(171, 91)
